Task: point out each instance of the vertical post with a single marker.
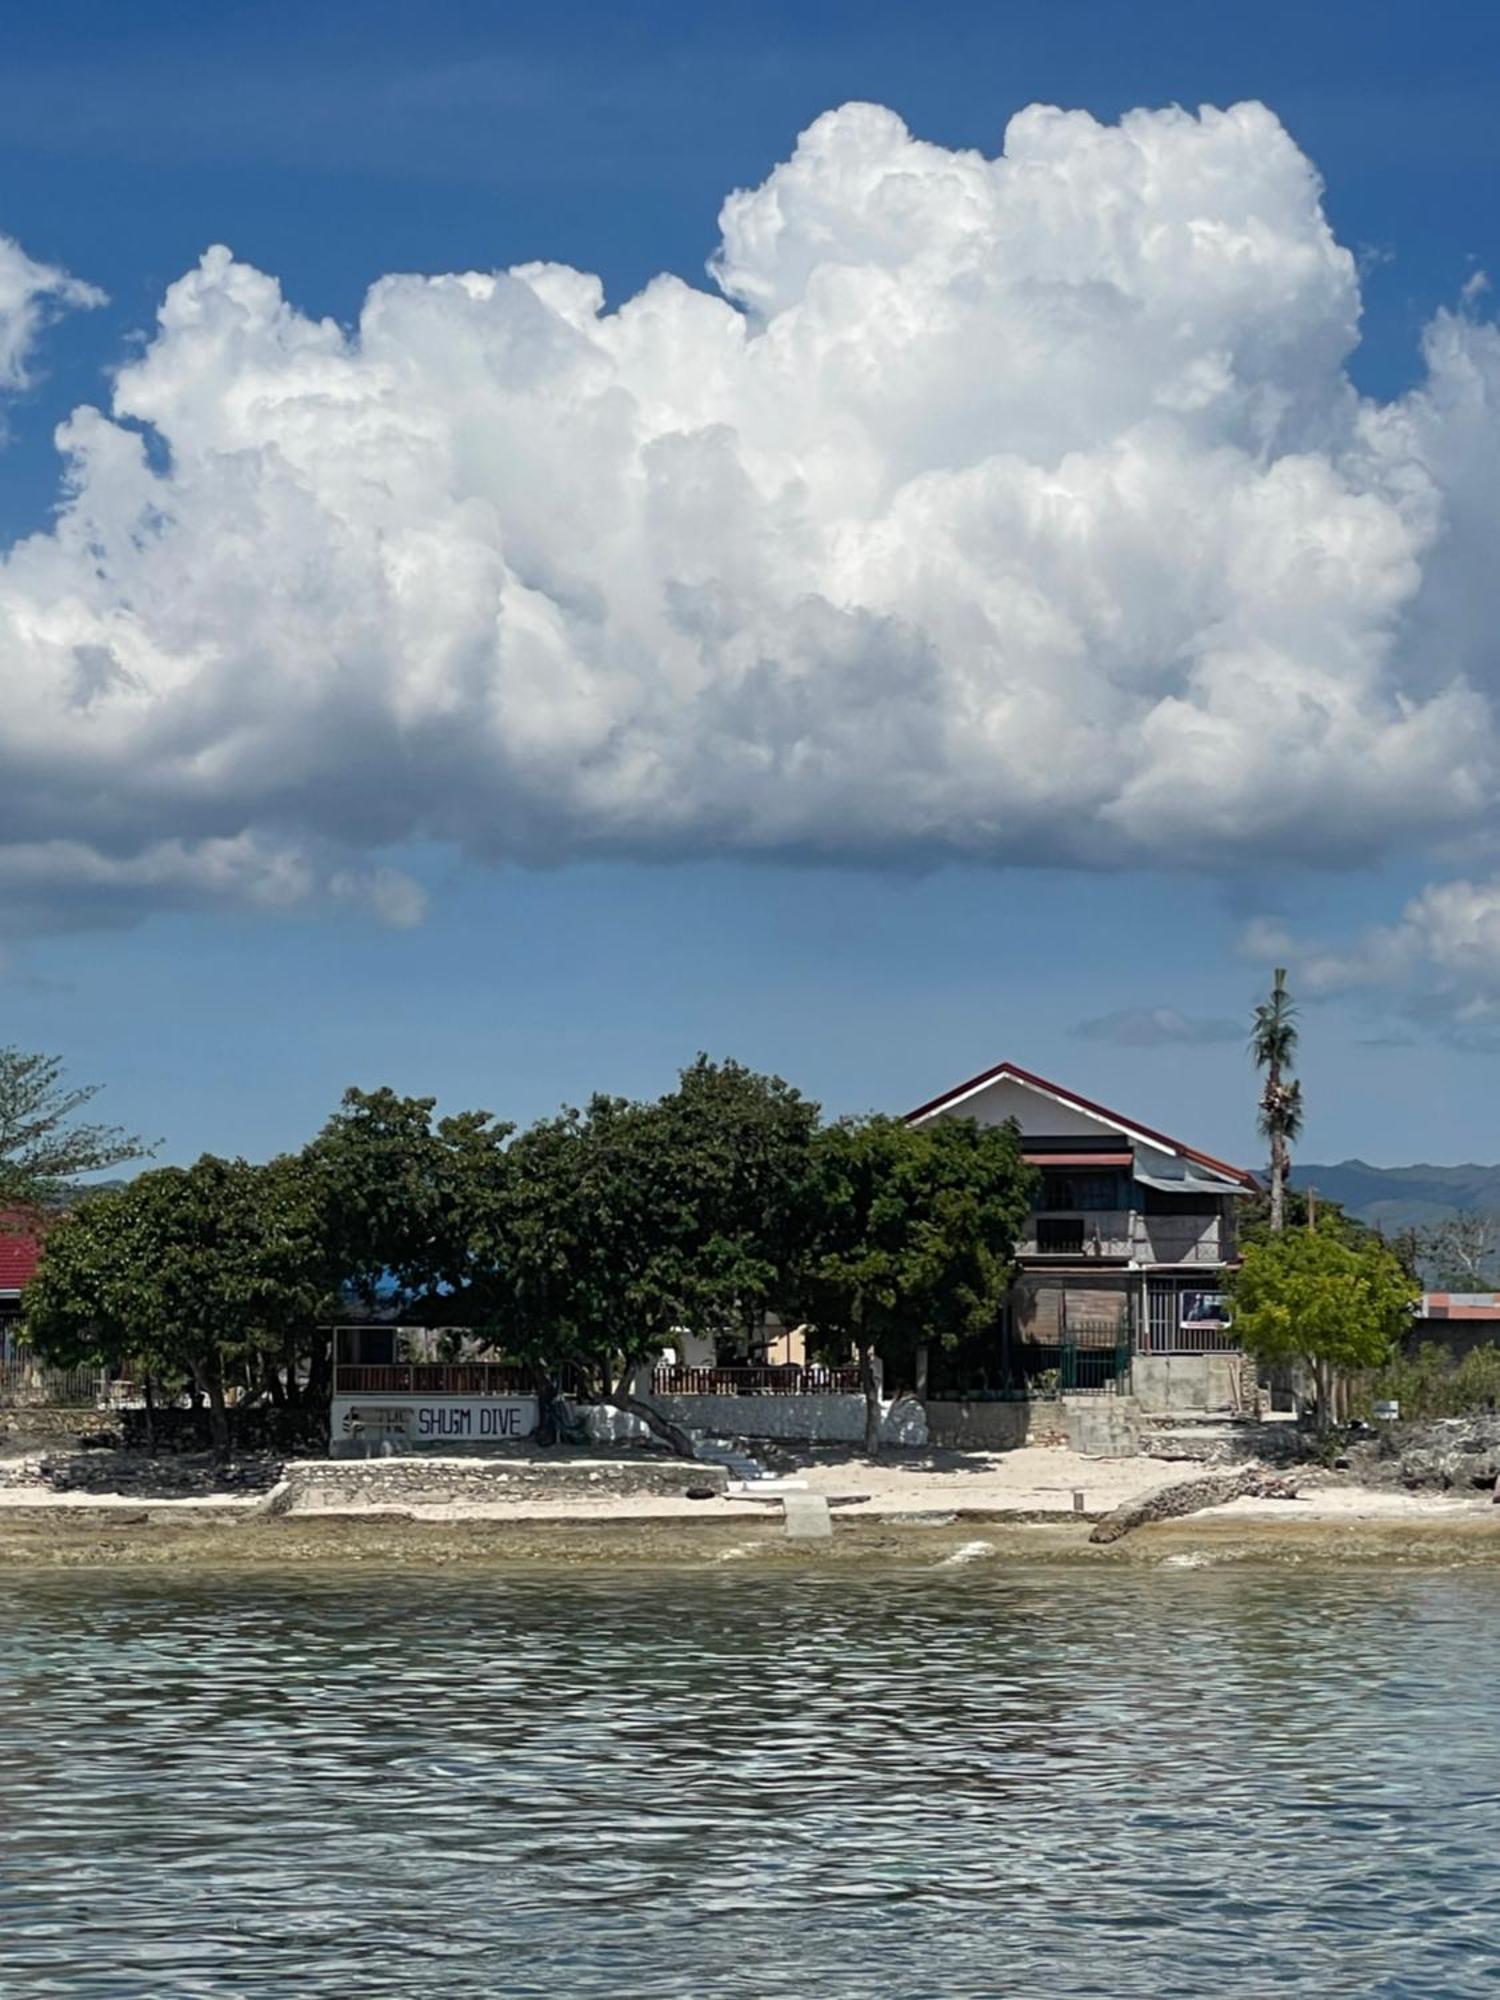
(921, 1371)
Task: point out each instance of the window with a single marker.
(1086, 1191)
(1059, 1236)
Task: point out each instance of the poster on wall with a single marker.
(1204, 1309)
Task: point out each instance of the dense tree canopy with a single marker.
(1313, 1295)
(186, 1272)
(582, 1246)
(910, 1232)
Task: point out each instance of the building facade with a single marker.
(1122, 1261)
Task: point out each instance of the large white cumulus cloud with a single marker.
(1018, 508)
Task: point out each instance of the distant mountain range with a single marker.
(1398, 1197)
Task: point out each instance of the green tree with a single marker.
(728, 1171)
(198, 1272)
(622, 1225)
(1309, 1295)
(586, 1254)
(402, 1195)
(1273, 1045)
(910, 1234)
(44, 1145)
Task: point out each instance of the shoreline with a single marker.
(192, 1537)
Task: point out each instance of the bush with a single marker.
(1429, 1383)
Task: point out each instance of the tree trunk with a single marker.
(620, 1397)
(922, 1371)
(210, 1381)
(663, 1427)
(290, 1359)
(148, 1389)
(319, 1375)
(1278, 1167)
(1322, 1376)
(871, 1388)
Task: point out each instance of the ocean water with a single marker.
(929, 1780)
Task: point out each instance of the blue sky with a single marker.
(332, 145)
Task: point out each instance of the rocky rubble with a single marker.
(178, 1477)
(1451, 1454)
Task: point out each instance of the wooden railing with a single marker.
(432, 1378)
(784, 1381)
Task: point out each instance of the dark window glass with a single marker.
(1082, 1191)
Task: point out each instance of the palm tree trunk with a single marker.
(1278, 1183)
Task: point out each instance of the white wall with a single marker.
(796, 1419)
(1033, 1111)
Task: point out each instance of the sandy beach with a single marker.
(958, 1506)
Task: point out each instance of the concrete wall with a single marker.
(320, 1485)
(451, 1424)
(797, 1419)
(1166, 1384)
(996, 1426)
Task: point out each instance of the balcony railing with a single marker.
(1121, 1234)
(791, 1380)
(432, 1378)
(1169, 1336)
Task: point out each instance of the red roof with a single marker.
(1460, 1305)
(20, 1252)
(1084, 1104)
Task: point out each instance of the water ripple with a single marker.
(978, 1779)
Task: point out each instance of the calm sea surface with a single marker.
(927, 1781)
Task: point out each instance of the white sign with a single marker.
(438, 1420)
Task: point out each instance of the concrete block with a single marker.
(807, 1517)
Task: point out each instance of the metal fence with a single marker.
(31, 1384)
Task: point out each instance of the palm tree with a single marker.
(1273, 1044)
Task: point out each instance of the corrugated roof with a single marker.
(20, 1253)
(1460, 1305)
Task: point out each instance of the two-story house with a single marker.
(1124, 1256)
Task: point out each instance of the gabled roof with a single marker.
(1012, 1072)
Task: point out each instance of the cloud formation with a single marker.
(29, 293)
(1159, 1027)
(1438, 965)
(1018, 509)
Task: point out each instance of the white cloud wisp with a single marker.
(1015, 508)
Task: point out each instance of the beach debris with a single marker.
(1190, 1496)
(967, 1552)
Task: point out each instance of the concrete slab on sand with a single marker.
(807, 1517)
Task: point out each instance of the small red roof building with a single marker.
(20, 1253)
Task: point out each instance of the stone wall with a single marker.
(42, 1425)
(981, 1426)
(336, 1485)
(263, 1427)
